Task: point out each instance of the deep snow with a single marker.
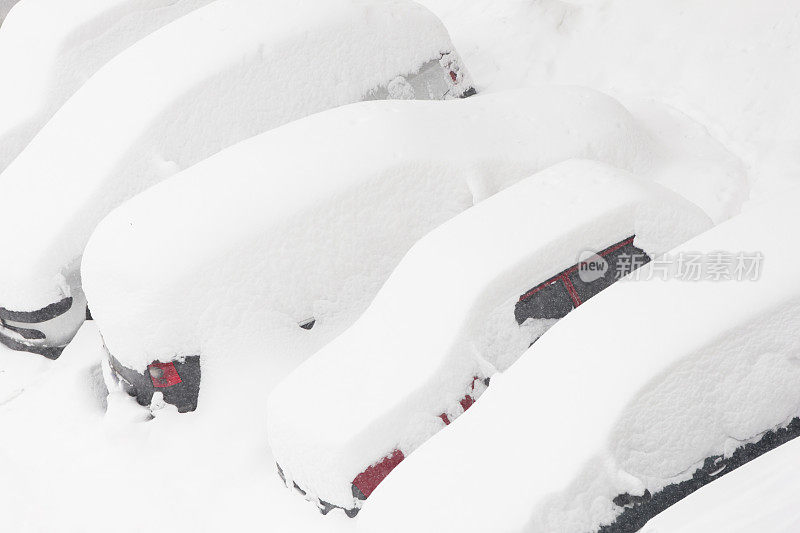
(222, 73)
(630, 392)
(317, 236)
(720, 81)
(49, 48)
(733, 69)
(414, 353)
(156, 109)
(71, 465)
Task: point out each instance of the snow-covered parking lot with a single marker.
(258, 252)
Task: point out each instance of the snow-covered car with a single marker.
(651, 390)
(312, 217)
(223, 73)
(49, 48)
(465, 302)
(41, 332)
(759, 495)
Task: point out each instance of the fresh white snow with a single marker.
(5, 7)
(222, 73)
(75, 460)
(630, 392)
(383, 384)
(317, 236)
(732, 68)
(759, 496)
(714, 84)
(49, 48)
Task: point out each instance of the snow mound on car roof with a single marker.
(316, 232)
(223, 73)
(628, 394)
(49, 48)
(382, 385)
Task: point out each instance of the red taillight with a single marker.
(368, 480)
(466, 402)
(164, 375)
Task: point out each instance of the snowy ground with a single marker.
(79, 468)
(721, 81)
(733, 70)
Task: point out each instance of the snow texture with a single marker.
(759, 496)
(413, 354)
(224, 72)
(630, 392)
(716, 82)
(100, 459)
(732, 71)
(5, 8)
(286, 237)
(49, 48)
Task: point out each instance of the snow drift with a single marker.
(630, 394)
(223, 73)
(49, 48)
(294, 232)
(724, 77)
(445, 320)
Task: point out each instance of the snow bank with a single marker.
(49, 48)
(723, 75)
(311, 218)
(66, 443)
(223, 73)
(413, 355)
(628, 394)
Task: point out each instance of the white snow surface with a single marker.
(413, 354)
(628, 393)
(733, 69)
(759, 496)
(719, 81)
(5, 7)
(317, 236)
(49, 48)
(77, 460)
(220, 74)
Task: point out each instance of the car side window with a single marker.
(621, 259)
(556, 297)
(546, 301)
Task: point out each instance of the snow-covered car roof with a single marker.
(653, 383)
(447, 315)
(220, 74)
(310, 219)
(49, 48)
